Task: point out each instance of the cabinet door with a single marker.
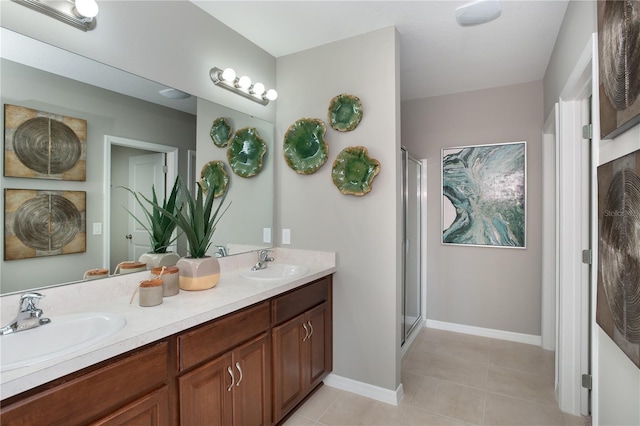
(206, 394)
(150, 410)
(288, 366)
(252, 391)
(319, 358)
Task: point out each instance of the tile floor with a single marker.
(454, 379)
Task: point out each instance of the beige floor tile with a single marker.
(506, 411)
(451, 400)
(464, 346)
(417, 362)
(298, 420)
(410, 383)
(412, 416)
(576, 420)
(427, 340)
(319, 402)
(520, 384)
(381, 414)
(349, 409)
(520, 356)
(456, 370)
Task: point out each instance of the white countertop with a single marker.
(148, 324)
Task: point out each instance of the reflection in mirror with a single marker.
(109, 113)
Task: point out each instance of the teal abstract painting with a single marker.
(484, 191)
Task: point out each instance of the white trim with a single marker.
(364, 389)
(511, 336)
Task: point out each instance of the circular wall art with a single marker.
(345, 112)
(214, 174)
(47, 222)
(47, 146)
(353, 171)
(221, 132)
(620, 250)
(304, 148)
(246, 151)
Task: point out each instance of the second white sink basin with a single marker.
(276, 271)
(64, 335)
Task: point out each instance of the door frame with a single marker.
(172, 173)
(573, 346)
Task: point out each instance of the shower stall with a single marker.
(413, 247)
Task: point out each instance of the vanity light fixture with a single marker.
(242, 86)
(79, 13)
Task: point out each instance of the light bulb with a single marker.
(258, 89)
(228, 74)
(87, 8)
(244, 82)
(272, 95)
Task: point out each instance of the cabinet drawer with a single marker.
(207, 341)
(297, 301)
(94, 394)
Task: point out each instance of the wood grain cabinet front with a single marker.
(233, 389)
(302, 348)
(121, 386)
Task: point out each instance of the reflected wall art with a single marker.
(618, 296)
(484, 195)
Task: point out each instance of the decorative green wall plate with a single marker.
(353, 170)
(305, 149)
(246, 151)
(221, 132)
(214, 174)
(345, 112)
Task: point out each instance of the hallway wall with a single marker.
(495, 288)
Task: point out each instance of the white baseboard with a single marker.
(365, 389)
(529, 339)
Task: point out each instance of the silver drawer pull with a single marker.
(310, 327)
(306, 331)
(233, 379)
(240, 370)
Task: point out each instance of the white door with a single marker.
(145, 172)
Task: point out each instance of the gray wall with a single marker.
(495, 288)
(107, 113)
(362, 230)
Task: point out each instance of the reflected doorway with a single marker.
(120, 154)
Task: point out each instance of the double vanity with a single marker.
(247, 351)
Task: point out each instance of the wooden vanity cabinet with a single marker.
(233, 388)
(249, 368)
(126, 390)
(302, 344)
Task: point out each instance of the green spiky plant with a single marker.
(198, 219)
(160, 225)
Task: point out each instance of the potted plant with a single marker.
(160, 226)
(197, 220)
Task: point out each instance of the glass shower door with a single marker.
(412, 251)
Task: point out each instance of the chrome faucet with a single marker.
(263, 259)
(221, 251)
(29, 316)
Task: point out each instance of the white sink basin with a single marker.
(62, 336)
(275, 271)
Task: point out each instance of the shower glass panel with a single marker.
(412, 254)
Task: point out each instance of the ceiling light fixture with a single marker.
(242, 86)
(478, 12)
(79, 13)
(172, 93)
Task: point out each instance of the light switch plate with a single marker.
(286, 236)
(97, 228)
(266, 235)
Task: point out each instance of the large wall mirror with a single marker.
(127, 119)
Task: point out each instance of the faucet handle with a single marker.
(29, 301)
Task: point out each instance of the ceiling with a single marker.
(437, 57)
